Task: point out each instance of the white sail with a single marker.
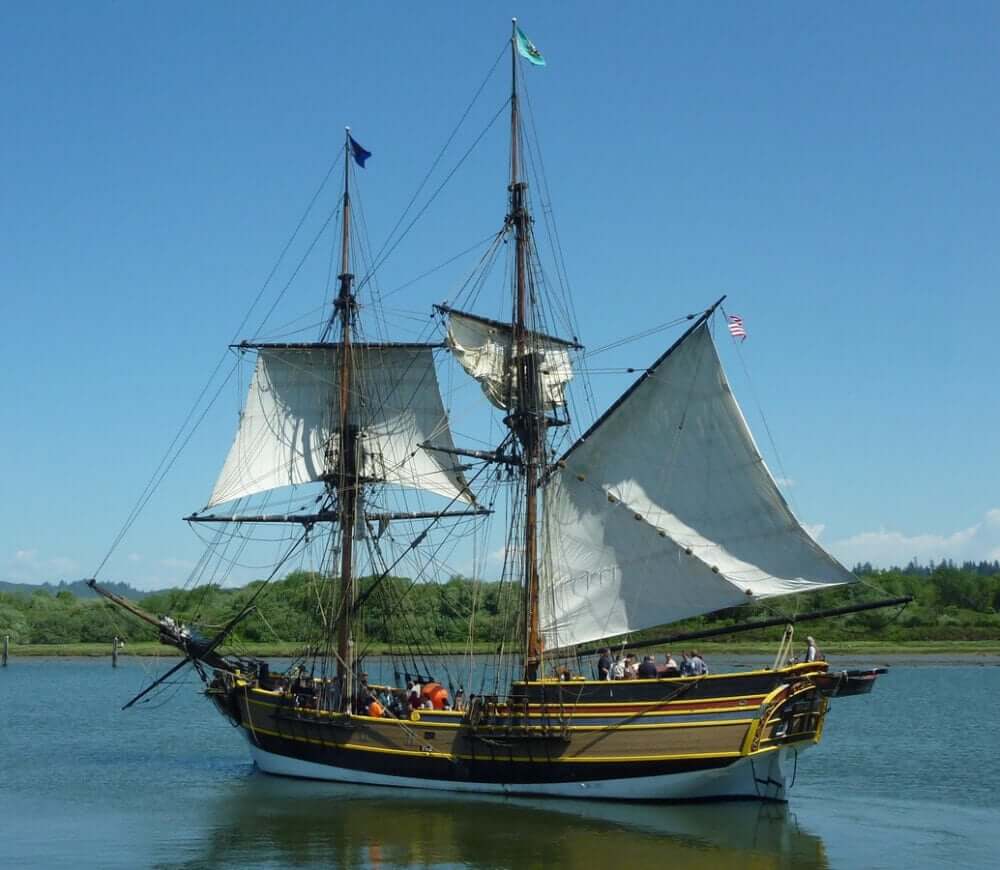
(288, 429)
(666, 510)
(485, 349)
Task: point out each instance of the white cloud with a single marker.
(135, 557)
(28, 566)
(184, 565)
(784, 482)
(886, 547)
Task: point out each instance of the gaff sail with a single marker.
(289, 428)
(666, 510)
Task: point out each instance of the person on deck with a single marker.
(686, 668)
(459, 701)
(670, 667)
(698, 666)
(618, 669)
(647, 670)
(812, 651)
(604, 664)
(631, 667)
(413, 690)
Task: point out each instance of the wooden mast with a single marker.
(346, 474)
(528, 416)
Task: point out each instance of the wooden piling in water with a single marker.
(6, 643)
(114, 652)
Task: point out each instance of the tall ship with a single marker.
(662, 509)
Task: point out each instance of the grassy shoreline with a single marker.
(711, 650)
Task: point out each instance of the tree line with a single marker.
(950, 603)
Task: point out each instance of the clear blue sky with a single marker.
(832, 167)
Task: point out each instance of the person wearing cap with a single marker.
(647, 670)
(812, 651)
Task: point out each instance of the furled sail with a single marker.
(485, 349)
(288, 431)
(666, 510)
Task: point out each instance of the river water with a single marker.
(905, 777)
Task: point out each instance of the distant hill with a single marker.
(79, 588)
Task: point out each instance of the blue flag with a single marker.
(360, 154)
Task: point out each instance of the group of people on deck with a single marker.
(628, 667)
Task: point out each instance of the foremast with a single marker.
(527, 418)
(346, 479)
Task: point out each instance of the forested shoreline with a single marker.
(951, 603)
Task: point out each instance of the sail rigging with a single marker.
(666, 509)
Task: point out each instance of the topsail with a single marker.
(666, 510)
(486, 350)
(288, 432)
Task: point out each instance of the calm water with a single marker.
(906, 777)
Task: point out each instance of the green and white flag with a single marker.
(526, 48)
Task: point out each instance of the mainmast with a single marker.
(528, 415)
(346, 477)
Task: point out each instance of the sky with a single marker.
(831, 167)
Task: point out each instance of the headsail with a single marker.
(288, 430)
(666, 510)
(484, 348)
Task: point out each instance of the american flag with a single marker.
(736, 329)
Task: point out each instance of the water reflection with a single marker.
(264, 821)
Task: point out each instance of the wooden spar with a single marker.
(347, 465)
(486, 455)
(173, 634)
(334, 516)
(125, 604)
(528, 418)
(809, 616)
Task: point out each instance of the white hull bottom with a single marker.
(760, 778)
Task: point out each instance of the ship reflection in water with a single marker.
(262, 821)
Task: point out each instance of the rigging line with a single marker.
(288, 244)
(166, 463)
(437, 160)
(384, 256)
(628, 339)
(548, 213)
(296, 271)
(469, 288)
(447, 262)
(365, 596)
(156, 478)
(763, 419)
(327, 289)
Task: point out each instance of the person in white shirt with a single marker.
(812, 651)
(618, 669)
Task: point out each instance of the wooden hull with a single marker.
(844, 683)
(725, 736)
